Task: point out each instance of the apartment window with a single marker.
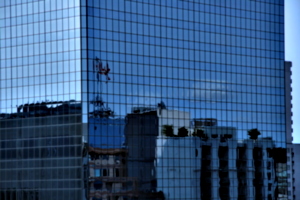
(98, 185)
(97, 172)
(117, 172)
(105, 172)
(269, 186)
(269, 176)
(269, 165)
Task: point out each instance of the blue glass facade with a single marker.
(142, 99)
(41, 137)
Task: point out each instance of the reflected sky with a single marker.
(292, 30)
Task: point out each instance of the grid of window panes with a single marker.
(188, 81)
(40, 93)
(174, 90)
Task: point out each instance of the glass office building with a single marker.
(142, 99)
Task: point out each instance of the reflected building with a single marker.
(137, 99)
(107, 159)
(41, 151)
(108, 176)
(220, 166)
(141, 132)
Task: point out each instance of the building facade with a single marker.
(138, 99)
(295, 172)
(291, 175)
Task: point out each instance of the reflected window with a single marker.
(105, 172)
(97, 172)
(98, 185)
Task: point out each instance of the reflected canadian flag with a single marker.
(102, 70)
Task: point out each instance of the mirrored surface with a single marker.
(126, 99)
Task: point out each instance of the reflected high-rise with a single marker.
(123, 99)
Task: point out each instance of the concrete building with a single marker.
(296, 170)
(289, 130)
